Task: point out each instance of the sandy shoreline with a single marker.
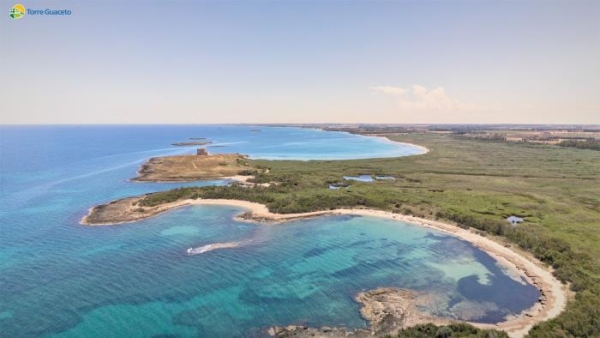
(553, 293)
(384, 137)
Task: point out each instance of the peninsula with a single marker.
(185, 168)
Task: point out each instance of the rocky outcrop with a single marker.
(301, 331)
(125, 210)
(386, 309)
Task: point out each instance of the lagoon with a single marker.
(360, 178)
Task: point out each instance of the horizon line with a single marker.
(300, 124)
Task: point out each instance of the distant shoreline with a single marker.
(553, 293)
(379, 136)
(424, 149)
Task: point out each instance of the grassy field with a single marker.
(473, 183)
(192, 167)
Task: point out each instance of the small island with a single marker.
(196, 141)
(191, 143)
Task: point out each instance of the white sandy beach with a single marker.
(385, 137)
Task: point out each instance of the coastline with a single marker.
(379, 136)
(387, 140)
(191, 168)
(553, 297)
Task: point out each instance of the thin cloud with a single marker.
(419, 98)
(389, 90)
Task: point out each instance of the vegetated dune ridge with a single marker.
(553, 293)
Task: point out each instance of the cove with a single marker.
(302, 272)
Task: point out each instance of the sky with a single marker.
(181, 62)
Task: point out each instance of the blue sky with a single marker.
(302, 61)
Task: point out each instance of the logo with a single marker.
(17, 11)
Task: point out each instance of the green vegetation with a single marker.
(484, 136)
(592, 144)
(458, 330)
(475, 184)
(247, 172)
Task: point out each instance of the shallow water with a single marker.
(58, 278)
(360, 178)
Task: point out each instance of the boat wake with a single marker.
(211, 247)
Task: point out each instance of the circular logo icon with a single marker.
(17, 11)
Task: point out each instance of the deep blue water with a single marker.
(58, 278)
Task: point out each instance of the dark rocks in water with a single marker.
(201, 152)
(301, 331)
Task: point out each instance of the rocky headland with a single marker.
(387, 310)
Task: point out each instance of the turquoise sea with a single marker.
(61, 279)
